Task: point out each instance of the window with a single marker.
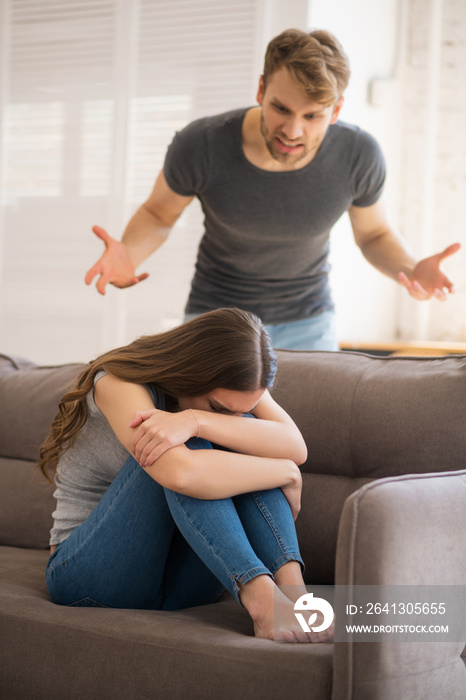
(94, 92)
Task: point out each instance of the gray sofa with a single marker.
(384, 502)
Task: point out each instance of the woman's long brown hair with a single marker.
(222, 349)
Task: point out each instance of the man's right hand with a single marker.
(115, 266)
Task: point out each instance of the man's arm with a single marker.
(387, 252)
(148, 228)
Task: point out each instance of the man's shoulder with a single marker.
(358, 153)
(345, 131)
(352, 143)
(215, 122)
(198, 147)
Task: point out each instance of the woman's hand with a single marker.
(293, 494)
(157, 431)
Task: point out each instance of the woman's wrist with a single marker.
(197, 432)
(295, 474)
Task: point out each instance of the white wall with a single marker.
(366, 302)
(433, 184)
(419, 48)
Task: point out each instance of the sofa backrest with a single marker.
(372, 417)
(29, 397)
(363, 418)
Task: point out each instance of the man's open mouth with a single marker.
(287, 147)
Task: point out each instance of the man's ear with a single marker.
(336, 111)
(260, 90)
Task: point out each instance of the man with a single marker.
(272, 181)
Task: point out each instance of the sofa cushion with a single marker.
(29, 397)
(29, 401)
(373, 417)
(317, 524)
(26, 505)
(73, 653)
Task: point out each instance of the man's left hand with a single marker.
(427, 279)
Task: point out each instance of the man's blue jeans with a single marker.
(315, 333)
(144, 546)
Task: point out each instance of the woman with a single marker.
(166, 492)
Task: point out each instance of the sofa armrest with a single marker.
(406, 530)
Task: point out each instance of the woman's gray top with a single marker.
(87, 469)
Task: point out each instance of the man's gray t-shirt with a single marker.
(266, 241)
(87, 469)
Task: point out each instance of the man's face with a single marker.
(292, 125)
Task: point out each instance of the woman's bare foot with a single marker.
(290, 580)
(273, 613)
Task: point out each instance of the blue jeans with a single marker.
(315, 333)
(145, 546)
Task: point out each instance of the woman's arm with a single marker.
(273, 434)
(204, 474)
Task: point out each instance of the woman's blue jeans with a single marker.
(145, 546)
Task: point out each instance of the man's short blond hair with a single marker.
(315, 59)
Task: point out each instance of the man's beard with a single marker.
(275, 152)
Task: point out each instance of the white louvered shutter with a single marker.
(92, 92)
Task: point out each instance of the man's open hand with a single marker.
(114, 266)
(427, 279)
